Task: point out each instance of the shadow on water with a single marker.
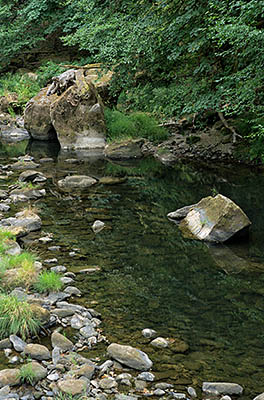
(208, 300)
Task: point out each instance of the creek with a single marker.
(209, 297)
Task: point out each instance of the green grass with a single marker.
(48, 281)
(63, 396)
(17, 317)
(27, 374)
(134, 125)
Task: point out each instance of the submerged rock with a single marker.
(125, 150)
(214, 219)
(130, 356)
(222, 388)
(77, 182)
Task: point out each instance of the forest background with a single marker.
(171, 58)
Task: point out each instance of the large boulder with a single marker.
(69, 109)
(214, 219)
(37, 118)
(77, 116)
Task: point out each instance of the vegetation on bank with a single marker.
(171, 58)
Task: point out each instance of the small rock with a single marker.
(259, 397)
(98, 226)
(19, 344)
(73, 386)
(88, 331)
(107, 383)
(146, 376)
(140, 385)
(73, 291)
(53, 377)
(66, 281)
(58, 340)
(59, 269)
(192, 392)
(159, 342)
(51, 261)
(158, 392)
(163, 385)
(37, 351)
(149, 333)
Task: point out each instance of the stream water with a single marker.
(210, 298)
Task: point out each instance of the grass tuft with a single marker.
(17, 317)
(48, 281)
(27, 374)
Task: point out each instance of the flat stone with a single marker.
(86, 370)
(37, 351)
(73, 386)
(160, 392)
(32, 176)
(222, 388)
(130, 356)
(77, 182)
(58, 340)
(63, 312)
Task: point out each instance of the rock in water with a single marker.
(130, 356)
(214, 219)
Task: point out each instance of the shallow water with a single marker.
(209, 297)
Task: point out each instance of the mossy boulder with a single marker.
(214, 219)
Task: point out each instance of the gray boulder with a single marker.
(77, 182)
(218, 388)
(129, 356)
(213, 219)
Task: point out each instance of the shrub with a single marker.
(27, 374)
(134, 125)
(17, 317)
(48, 281)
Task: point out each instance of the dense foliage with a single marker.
(174, 56)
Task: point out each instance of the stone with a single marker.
(77, 116)
(140, 385)
(226, 398)
(65, 280)
(259, 397)
(86, 370)
(14, 134)
(77, 182)
(146, 376)
(59, 269)
(5, 344)
(4, 207)
(77, 322)
(180, 213)
(9, 377)
(24, 222)
(37, 119)
(130, 356)
(22, 165)
(123, 376)
(27, 194)
(98, 226)
(53, 377)
(56, 352)
(125, 397)
(73, 291)
(19, 344)
(13, 248)
(60, 341)
(159, 342)
(32, 176)
(73, 386)
(40, 372)
(192, 392)
(159, 392)
(37, 351)
(63, 312)
(107, 383)
(88, 331)
(222, 388)
(129, 149)
(214, 219)
(149, 333)
(163, 385)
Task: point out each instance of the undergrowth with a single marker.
(48, 281)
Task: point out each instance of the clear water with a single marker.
(211, 298)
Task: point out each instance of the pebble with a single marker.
(51, 261)
(149, 333)
(65, 280)
(159, 392)
(59, 269)
(192, 392)
(159, 342)
(146, 376)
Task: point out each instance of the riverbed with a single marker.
(208, 298)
